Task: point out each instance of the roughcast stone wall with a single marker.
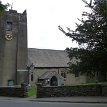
(67, 91)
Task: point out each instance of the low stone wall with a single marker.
(14, 91)
(67, 91)
(104, 91)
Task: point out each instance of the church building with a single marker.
(16, 60)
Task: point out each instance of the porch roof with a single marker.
(50, 74)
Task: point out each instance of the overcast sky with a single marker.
(44, 16)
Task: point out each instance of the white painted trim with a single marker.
(22, 70)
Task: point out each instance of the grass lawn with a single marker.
(92, 83)
(31, 91)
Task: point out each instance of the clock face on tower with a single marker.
(8, 36)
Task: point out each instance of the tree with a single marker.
(91, 36)
(3, 7)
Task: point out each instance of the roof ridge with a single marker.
(46, 49)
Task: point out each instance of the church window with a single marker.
(63, 74)
(77, 74)
(9, 26)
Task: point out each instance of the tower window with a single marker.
(9, 26)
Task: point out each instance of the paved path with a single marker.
(96, 99)
(73, 99)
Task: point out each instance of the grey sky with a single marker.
(44, 16)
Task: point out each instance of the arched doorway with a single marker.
(54, 81)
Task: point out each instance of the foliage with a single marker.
(91, 84)
(3, 7)
(32, 91)
(91, 36)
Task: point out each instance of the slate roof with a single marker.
(47, 74)
(47, 58)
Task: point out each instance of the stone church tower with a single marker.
(13, 48)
